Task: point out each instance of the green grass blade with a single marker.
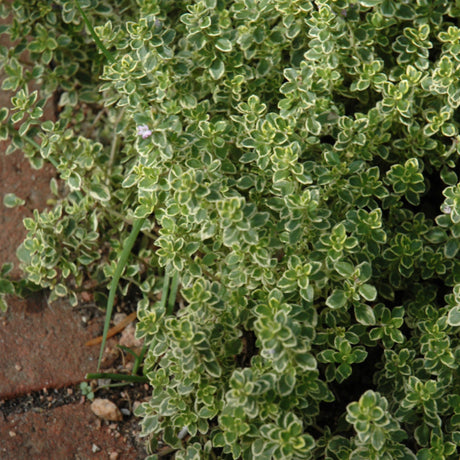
(116, 278)
(128, 350)
(124, 377)
(96, 39)
(138, 361)
(164, 292)
(173, 294)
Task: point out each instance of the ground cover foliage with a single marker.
(296, 164)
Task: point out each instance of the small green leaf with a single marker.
(142, 211)
(6, 287)
(6, 268)
(306, 361)
(74, 181)
(364, 314)
(453, 318)
(99, 192)
(47, 125)
(368, 291)
(23, 254)
(451, 249)
(149, 424)
(376, 333)
(343, 372)
(3, 304)
(224, 45)
(60, 290)
(217, 69)
(212, 368)
(378, 438)
(286, 383)
(260, 219)
(344, 268)
(3, 132)
(368, 399)
(3, 113)
(10, 200)
(313, 126)
(337, 299)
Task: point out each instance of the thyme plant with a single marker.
(296, 166)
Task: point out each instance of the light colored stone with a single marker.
(136, 404)
(118, 318)
(128, 337)
(106, 410)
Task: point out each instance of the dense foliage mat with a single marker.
(295, 163)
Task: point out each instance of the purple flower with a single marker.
(144, 131)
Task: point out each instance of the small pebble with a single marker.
(128, 337)
(106, 410)
(136, 404)
(118, 318)
(86, 296)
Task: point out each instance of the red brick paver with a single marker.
(66, 433)
(42, 346)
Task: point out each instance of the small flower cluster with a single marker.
(144, 131)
